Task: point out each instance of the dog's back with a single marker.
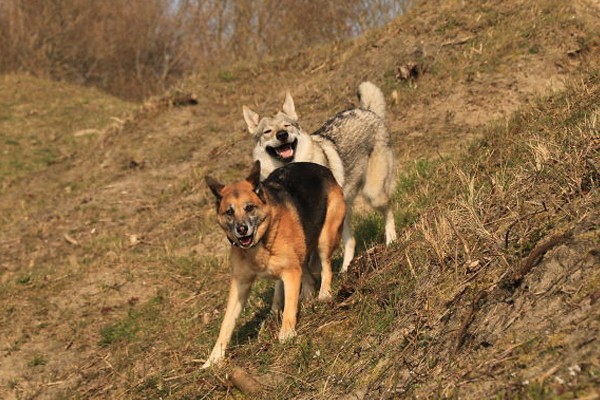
(307, 186)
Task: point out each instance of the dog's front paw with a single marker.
(285, 336)
(215, 358)
(324, 295)
(212, 362)
(390, 238)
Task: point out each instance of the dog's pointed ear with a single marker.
(289, 108)
(254, 179)
(215, 187)
(251, 119)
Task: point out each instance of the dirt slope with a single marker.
(112, 271)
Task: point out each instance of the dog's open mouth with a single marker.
(285, 152)
(245, 241)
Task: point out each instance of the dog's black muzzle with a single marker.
(282, 135)
(241, 229)
(243, 237)
(285, 152)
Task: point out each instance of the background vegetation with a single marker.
(135, 48)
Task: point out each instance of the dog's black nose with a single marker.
(282, 135)
(242, 229)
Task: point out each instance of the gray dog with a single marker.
(354, 144)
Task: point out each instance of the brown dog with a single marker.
(273, 227)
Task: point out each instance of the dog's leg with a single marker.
(238, 294)
(390, 226)
(277, 304)
(291, 278)
(311, 266)
(348, 240)
(330, 238)
(326, 275)
(379, 185)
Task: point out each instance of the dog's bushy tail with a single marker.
(371, 98)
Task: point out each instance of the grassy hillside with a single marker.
(114, 274)
(43, 122)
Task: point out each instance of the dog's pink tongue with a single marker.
(287, 152)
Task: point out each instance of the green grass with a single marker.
(24, 280)
(122, 331)
(227, 76)
(408, 200)
(37, 360)
(139, 323)
(368, 229)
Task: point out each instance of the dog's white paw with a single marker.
(390, 237)
(324, 295)
(211, 362)
(216, 357)
(390, 230)
(286, 336)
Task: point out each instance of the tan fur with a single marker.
(279, 253)
(330, 237)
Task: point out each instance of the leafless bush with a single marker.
(130, 48)
(133, 48)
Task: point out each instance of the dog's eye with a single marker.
(229, 211)
(266, 132)
(249, 208)
(286, 126)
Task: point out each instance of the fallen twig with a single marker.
(457, 41)
(464, 326)
(245, 382)
(506, 235)
(70, 239)
(536, 256)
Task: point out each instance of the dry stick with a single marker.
(70, 239)
(536, 256)
(464, 326)
(457, 41)
(410, 266)
(531, 214)
(245, 382)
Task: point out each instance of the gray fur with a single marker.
(355, 144)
